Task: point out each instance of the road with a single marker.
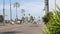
(22, 29)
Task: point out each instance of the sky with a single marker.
(33, 7)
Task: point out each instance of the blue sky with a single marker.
(34, 7)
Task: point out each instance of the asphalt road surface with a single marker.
(22, 29)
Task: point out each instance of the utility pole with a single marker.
(4, 10)
(46, 9)
(10, 12)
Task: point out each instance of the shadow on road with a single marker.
(11, 32)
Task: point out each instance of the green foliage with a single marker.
(46, 18)
(1, 18)
(53, 25)
(31, 18)
(16, 4)
(23, 18)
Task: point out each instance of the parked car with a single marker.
(18, 22)
(12, 22)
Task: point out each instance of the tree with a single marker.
(1, 18)
(46, 17)
(10, 11)
(23, 19)
(46, 6)
(29, 14)
(31, 19)
(23, 12)
(16, 5)
(38, 18)
(4, 10)
(53, 25)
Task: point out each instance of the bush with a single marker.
(46, 18)
(53, 25)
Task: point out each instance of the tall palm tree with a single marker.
(55, 4)
(10, 11)
(23, 12)
(4, 10)
(54, 14)
(16, 5)
(46, 6)
(31, 19)
(23, 15)
(29, 14)
(38, 18)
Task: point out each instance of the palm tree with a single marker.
(38, 18)
(55, 6)
(4, 10)
(29, 17)
(10, 11)
(29, 14)
(23, 12)
(46, 6)
(54, 14)
(16, 5)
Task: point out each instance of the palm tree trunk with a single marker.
(10, 12)
(4, 10)
(16, 14)
(54, 13)
(46, 6)
(55, 4)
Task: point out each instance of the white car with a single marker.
(18, 22)
(12, 22)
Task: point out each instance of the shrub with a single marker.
(53, 25)
(46, 17)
